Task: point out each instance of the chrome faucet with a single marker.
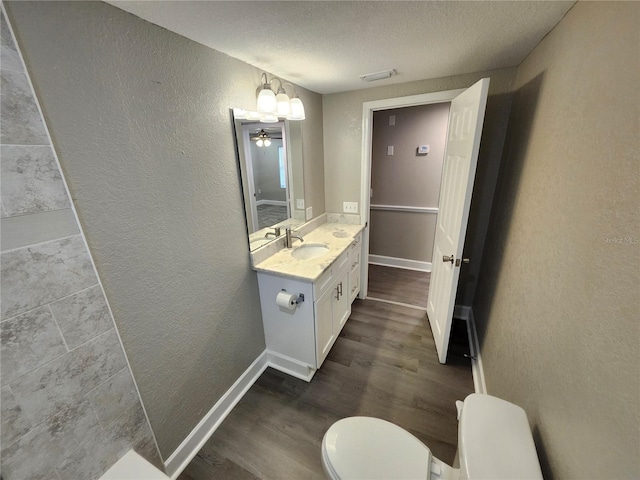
(289, 236)
(275, 233)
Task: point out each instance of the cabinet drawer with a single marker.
(341, 262)
(322, 284)
(354, 260)
(355, 244)
(354, 283)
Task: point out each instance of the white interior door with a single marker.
(466, 117)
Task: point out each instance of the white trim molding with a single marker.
(290, 366)
(396, 262)
(465, 313)
(404, 208)
(365, 159)
(191, 445)
(277, 203)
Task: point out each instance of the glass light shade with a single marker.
(269, 118)
(267, 142)
(283, 107)
(259, 142)
(266, 101)
(297, 109)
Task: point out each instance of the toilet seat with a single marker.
(373, 449)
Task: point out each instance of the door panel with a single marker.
(463, 143)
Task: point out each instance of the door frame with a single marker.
(365, 167)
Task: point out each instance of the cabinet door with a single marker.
(341, 302)
(325, 334)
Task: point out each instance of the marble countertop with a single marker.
(336, 236)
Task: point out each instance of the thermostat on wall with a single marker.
(423, 149)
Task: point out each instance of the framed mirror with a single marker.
(271, 167)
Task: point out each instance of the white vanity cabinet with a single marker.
(332, 307)
(299, 340)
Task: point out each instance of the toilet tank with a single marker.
(495, 441)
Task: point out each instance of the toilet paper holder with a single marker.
(300, 298)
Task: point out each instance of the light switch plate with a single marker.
(300, 203)
(350, 207)
(390, 150)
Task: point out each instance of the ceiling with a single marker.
(326, 45)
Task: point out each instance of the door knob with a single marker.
(447, 258)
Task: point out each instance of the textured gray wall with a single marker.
(558, 309)
(407, 179)
(140, 118)
(342, 117)
(69, 406)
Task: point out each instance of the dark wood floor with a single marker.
(383, 364)
(398, 285)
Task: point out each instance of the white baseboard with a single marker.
(278, 203)
(290, 366)
(396, 262)
(191, 445)
(466, 313)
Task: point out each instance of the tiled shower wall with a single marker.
(69, 406)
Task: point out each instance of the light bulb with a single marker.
(259, 142)
(267, 142)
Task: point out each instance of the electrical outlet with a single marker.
(309, 213)
(350, 207)
(300, 203)
(390, 151)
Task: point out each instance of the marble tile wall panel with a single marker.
(43, 273)
(35, 455)
(82, 316)
(114, 397)
(112, 442)
(13, 423)
(25, 230)
(21, 123)
(60, 383)
(27, 342)
(9, 58)
(31, 181)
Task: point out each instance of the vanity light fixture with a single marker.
(272, 106)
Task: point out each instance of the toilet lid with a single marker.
(374, 449)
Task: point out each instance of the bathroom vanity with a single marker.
(324, 273)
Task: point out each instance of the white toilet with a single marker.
(494, 442)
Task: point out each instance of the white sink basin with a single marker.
(309, 251)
